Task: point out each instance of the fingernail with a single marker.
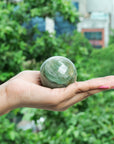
(104, 87)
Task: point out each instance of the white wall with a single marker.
(106, 6)
(100, 6)
(50, 25)
(82, 7)
(112, 15)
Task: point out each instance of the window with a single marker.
(76, 4)
(93, 35)
(97, 46)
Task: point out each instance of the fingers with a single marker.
(93, 84)
(107, 81)
(78, 97)
(61, 98)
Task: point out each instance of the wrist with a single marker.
(8, 100)
(4, 108)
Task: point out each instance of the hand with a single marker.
(25, 90)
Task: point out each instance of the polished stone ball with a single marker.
(57, 72)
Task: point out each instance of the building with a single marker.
(58, 24)
(96, 20)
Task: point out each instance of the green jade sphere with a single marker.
(57, 72)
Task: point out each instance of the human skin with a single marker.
(25, 90)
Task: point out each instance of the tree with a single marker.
(18, 42)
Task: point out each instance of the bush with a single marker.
(75, 47)
(10, 134)
(87, 122)
(111, 39)
(100, 62)
(11, 45)
(27, 47)
(92, 124)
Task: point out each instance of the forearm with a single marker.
(4, 105)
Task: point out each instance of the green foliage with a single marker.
(101, 62)
(11, 45)
(39, 48)
(88, 122)
(18, 43)
(94, 124)
(111, 40)
(10, 134)
(50, 8)
(76, 48)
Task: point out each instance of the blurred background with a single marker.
(81, 30)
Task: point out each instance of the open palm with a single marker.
(25, 90)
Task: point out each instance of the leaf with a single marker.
(12, 135)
